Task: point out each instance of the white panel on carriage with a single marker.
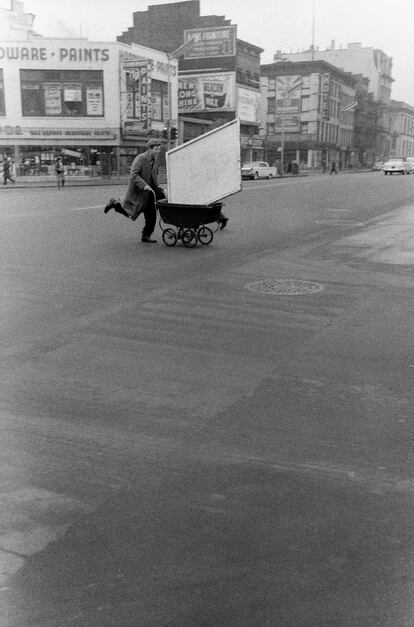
(207, 168)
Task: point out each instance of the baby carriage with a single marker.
(189, 222)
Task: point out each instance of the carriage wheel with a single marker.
(169, 237)
(205, 235)
(189, 238)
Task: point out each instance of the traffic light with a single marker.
(173, 133)
(165, 132)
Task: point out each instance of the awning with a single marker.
(72, 153)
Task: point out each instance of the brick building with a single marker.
(309, 114)
(219, 77)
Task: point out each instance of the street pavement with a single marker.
(211, 436)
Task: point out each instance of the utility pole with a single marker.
(313, 30)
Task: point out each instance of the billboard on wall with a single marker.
(209, 92)
(249, 107)
(210, 42)
(137, 113)
(288, 103)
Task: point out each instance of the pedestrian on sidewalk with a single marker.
(143, 191)
(60, 172)
(7, 175)
(334, 169)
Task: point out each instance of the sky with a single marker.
(284, 25)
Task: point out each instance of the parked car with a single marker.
(396, 165)
(378, 165)
(258, 170)
(410, 161)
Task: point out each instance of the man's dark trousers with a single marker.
(150, 214)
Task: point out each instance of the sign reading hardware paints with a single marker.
(34, 53)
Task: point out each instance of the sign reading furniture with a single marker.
(210, 42)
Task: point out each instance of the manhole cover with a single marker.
(284, 287)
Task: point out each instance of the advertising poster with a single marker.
(210, 92)
(210, 42)
(288, 103)
(138, 96)
(249, 105)
(94, 101)
(72, 92)
(53, 98)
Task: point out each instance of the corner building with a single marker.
(309, 114)
(219, 76)
(94, 103)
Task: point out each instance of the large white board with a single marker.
(207, 168)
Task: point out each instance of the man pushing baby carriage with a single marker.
(143, 191)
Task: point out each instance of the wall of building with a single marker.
(305, 119)
(69, 96)
(370, 62)
(402, 129)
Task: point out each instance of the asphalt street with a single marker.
(210, 436)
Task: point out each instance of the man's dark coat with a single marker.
(143, 172)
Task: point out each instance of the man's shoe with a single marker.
(110, 205)
(147, 240)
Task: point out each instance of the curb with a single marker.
(33, 184)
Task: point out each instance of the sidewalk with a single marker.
(82, 181)
(72, 181)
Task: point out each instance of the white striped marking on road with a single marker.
(86, 208)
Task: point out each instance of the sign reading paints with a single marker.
(34, 53)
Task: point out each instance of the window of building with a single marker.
(271, 105)
(305, 106)
(159, 100)
(2, 104)
(66, 93)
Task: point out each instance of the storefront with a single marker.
(94, 105)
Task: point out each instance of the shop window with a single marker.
(31, 98)
(52, 93)
(2, 105)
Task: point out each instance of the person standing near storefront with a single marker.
(143, 191)
(7, 174)
(60, 172)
